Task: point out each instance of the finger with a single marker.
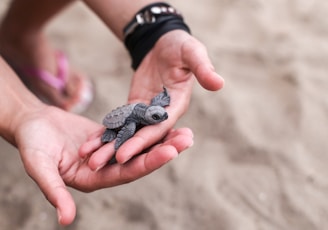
(138, 167)
(195, 55)
(181, 131)
(143, 139)
(92, 144)
(101, 157)
(156, 158)
(90, 147)
(47, 177)
(175, 143)
(181, 139)
(96, 134)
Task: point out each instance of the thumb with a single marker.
(46, 175)
(196, 58)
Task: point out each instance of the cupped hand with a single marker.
(49, 142)
(176, 59)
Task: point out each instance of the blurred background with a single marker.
(260, 154)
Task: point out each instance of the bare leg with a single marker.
(23, 43)
(21, 32)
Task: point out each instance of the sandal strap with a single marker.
(58, 81)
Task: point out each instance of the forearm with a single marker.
(15, 102)
(117, 13)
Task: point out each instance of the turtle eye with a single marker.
(156, 117)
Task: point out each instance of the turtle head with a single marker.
(154, 115)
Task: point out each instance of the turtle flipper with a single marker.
(108, 136)
(125, 133)
(162, 99)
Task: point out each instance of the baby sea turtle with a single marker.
(123, 122)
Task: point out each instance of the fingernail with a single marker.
(100, 167)
(59, 216)
(126, 159)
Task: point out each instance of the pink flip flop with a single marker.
(60, 80)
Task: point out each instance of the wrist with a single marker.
(16, 101)
(148, 26)
(15, 117)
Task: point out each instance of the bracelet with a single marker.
(149, 24)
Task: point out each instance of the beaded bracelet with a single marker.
(149, 24)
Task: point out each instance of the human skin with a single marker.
(174, 62)
(48, 140)
(76, 157)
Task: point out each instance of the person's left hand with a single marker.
(49, 141)
(174, 62)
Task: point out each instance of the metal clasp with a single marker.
(145, 18)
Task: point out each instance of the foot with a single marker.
(34, 51)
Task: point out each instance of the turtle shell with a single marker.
(118, 116)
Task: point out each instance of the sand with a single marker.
(260, 156)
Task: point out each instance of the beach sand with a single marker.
(260, 156)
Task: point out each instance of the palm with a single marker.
(67, 148)
(174, 62)
(54, 145)
(54, 140)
